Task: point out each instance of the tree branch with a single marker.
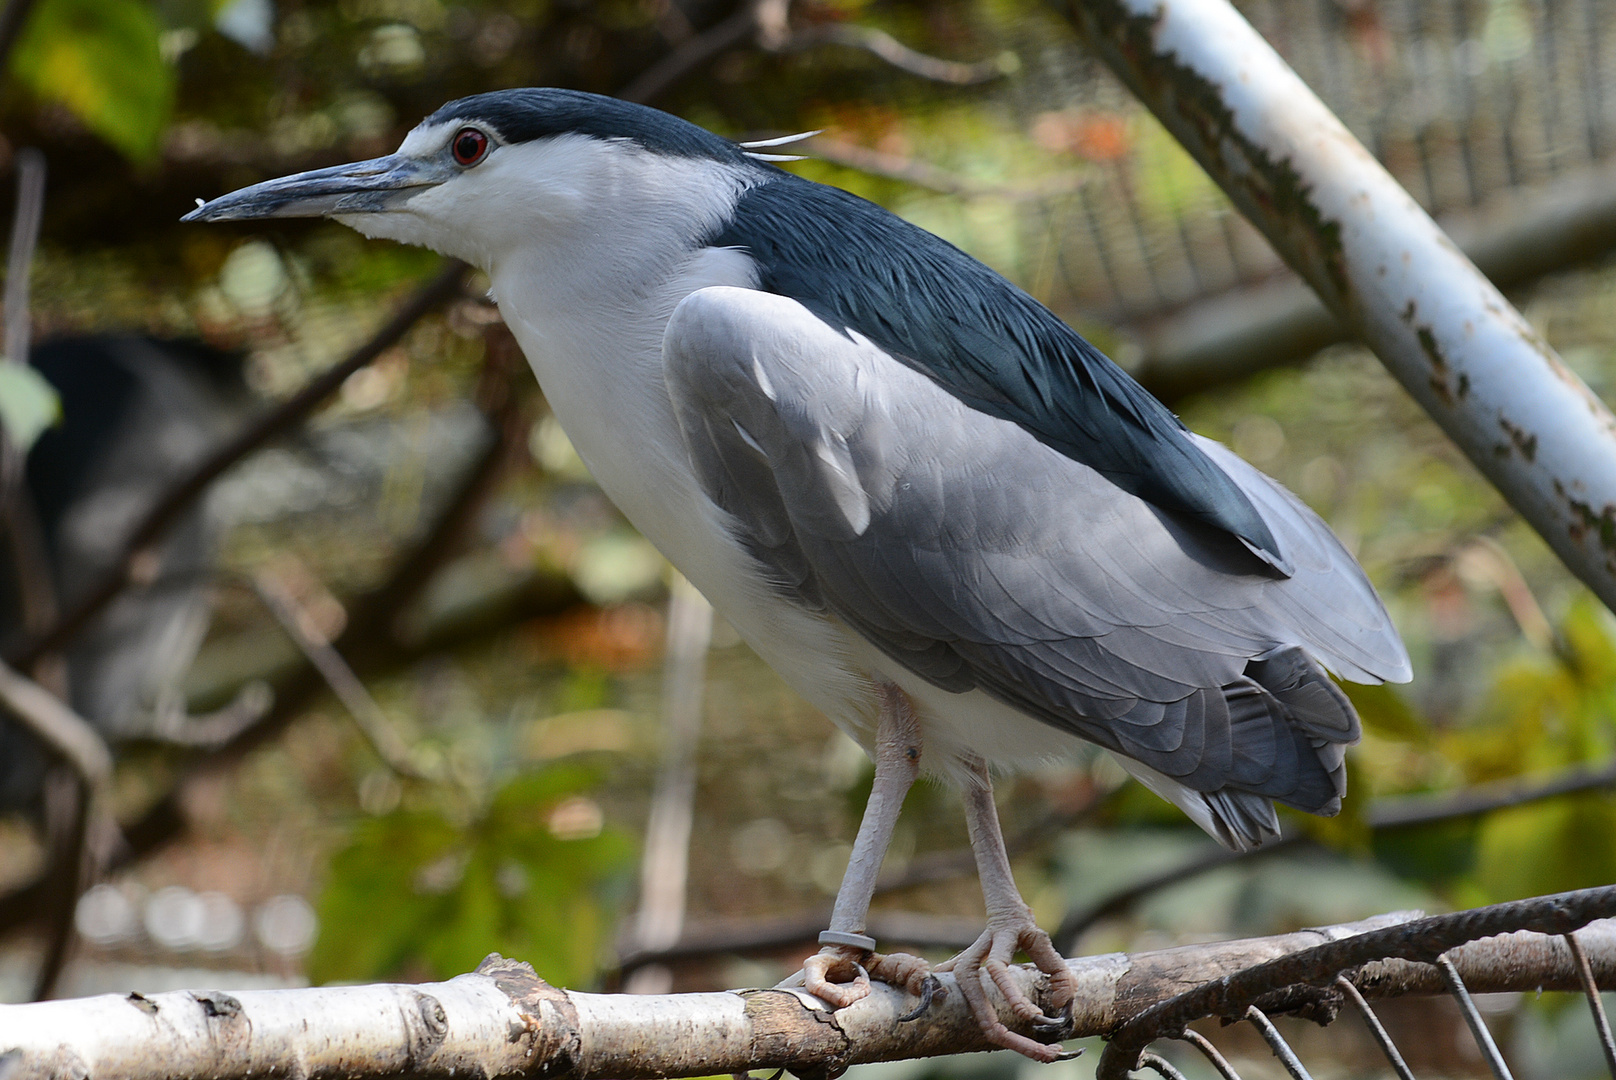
(61, 729)
(504, 1020)
(661, 76)
(80, 828)
(665, 860)
(884, 46)
(371, 720)
(1402, 956)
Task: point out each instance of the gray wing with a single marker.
(977, 557)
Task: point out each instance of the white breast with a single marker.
(589, 311)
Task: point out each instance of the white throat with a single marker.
(588, 293)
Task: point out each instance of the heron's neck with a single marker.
(592, 330)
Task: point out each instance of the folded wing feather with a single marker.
(978, 557)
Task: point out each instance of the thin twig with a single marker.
(174, 503)
(665, 864)
(68, 735)
(372, 720)
(931, 177)
(172, 725)
(884, 46)
(30, 167)
(1384, 815)
(1276, 1042)
(1413, 811)
(766, 19)
(1478, 1026)
(35, 577)
(661, 76)
(67, 804)
(1590, 989)
(1377, 1030)
(1160, 1066)
(80, 813)
(1211, 1053)
(1079, 919)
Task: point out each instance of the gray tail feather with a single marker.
(1321, 723)
(1244, 819)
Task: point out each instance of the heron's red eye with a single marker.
(469, 146)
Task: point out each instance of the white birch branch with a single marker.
(503, 1020)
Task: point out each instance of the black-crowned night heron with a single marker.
(940, 514)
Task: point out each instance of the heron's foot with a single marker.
(837, 976)
(914, 975)
(989, 959)
(841, 975)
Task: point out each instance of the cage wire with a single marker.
(1547, 942)
(1466, 102)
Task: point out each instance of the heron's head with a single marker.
(516, 166)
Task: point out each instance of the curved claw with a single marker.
(1055, 1028)
(929, 989)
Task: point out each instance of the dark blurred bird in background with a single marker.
(137, 414)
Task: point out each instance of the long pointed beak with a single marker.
(362, 187)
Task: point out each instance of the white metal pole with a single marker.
(1378, 261)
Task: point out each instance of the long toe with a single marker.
(913, 974)
(1028, 938)
(1062, 983)
(836, 976)
(988, 959)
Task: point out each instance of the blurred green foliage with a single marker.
(103, 60)
(1543, 712)
(419, 893)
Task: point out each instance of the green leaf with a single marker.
(419, 895)
(28, 404)
(101, 59)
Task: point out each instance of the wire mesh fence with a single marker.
(1464, 101)
(1518, 946)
